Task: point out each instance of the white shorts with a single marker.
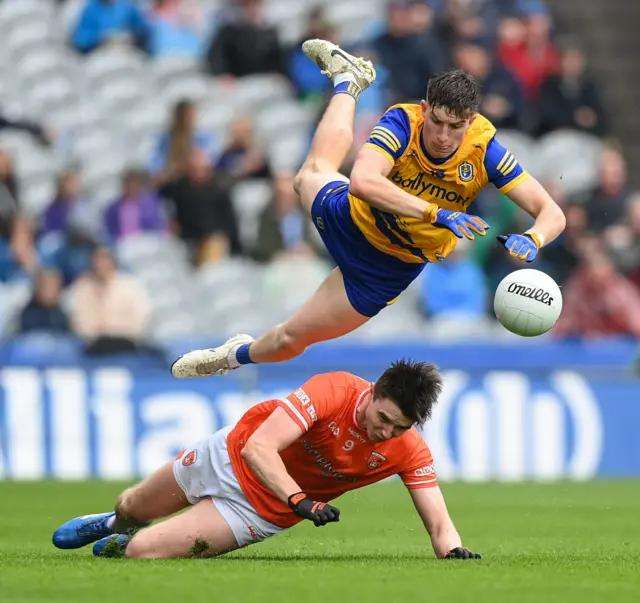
(204, 471)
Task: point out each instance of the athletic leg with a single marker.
(201, 531)
(331, 144)
(334, 136)
(328, 314)
(155, 497)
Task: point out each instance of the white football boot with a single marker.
(333, 61)
(204, 363)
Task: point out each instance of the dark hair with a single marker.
(414, 386)
(137, 175)
(456, 91)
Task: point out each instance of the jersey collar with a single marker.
(357, 405)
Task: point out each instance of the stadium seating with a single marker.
(108, 109)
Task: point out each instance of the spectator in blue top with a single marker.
(454, 289)
(178, 29)
(110, 21)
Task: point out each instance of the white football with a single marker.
(527, 302)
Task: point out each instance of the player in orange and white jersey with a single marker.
(284, 461)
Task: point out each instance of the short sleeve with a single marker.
(502, 167)
(312, 402)
(391, 134)
(420, 472)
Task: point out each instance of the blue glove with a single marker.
(523, 247)
(461, 225)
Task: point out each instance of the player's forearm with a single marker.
(379, 192)
(267, 464)
(531, 196)
(549, 223)
(444, 538)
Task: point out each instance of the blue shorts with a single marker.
(373, 279)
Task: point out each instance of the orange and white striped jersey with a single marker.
(333, 455)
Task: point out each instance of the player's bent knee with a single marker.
(137, 549)
(129, 506)
(307, 175)
(142, 546)
(298, 182)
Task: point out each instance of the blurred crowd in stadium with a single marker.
(147, 151)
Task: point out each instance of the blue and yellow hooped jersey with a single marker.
(452, 183)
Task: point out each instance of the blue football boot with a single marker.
(81, 531)
(112, 546)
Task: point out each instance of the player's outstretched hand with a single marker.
(461, 225)
(524, 247)
(461, 553)
(318, 512)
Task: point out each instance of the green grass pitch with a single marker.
(540, 543)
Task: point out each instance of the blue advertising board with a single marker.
(516, 422)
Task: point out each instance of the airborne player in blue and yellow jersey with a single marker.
(405, 206)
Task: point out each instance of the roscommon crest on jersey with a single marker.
(527, 302)
(465, 171)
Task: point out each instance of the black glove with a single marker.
(461, 553)
(318, 512)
